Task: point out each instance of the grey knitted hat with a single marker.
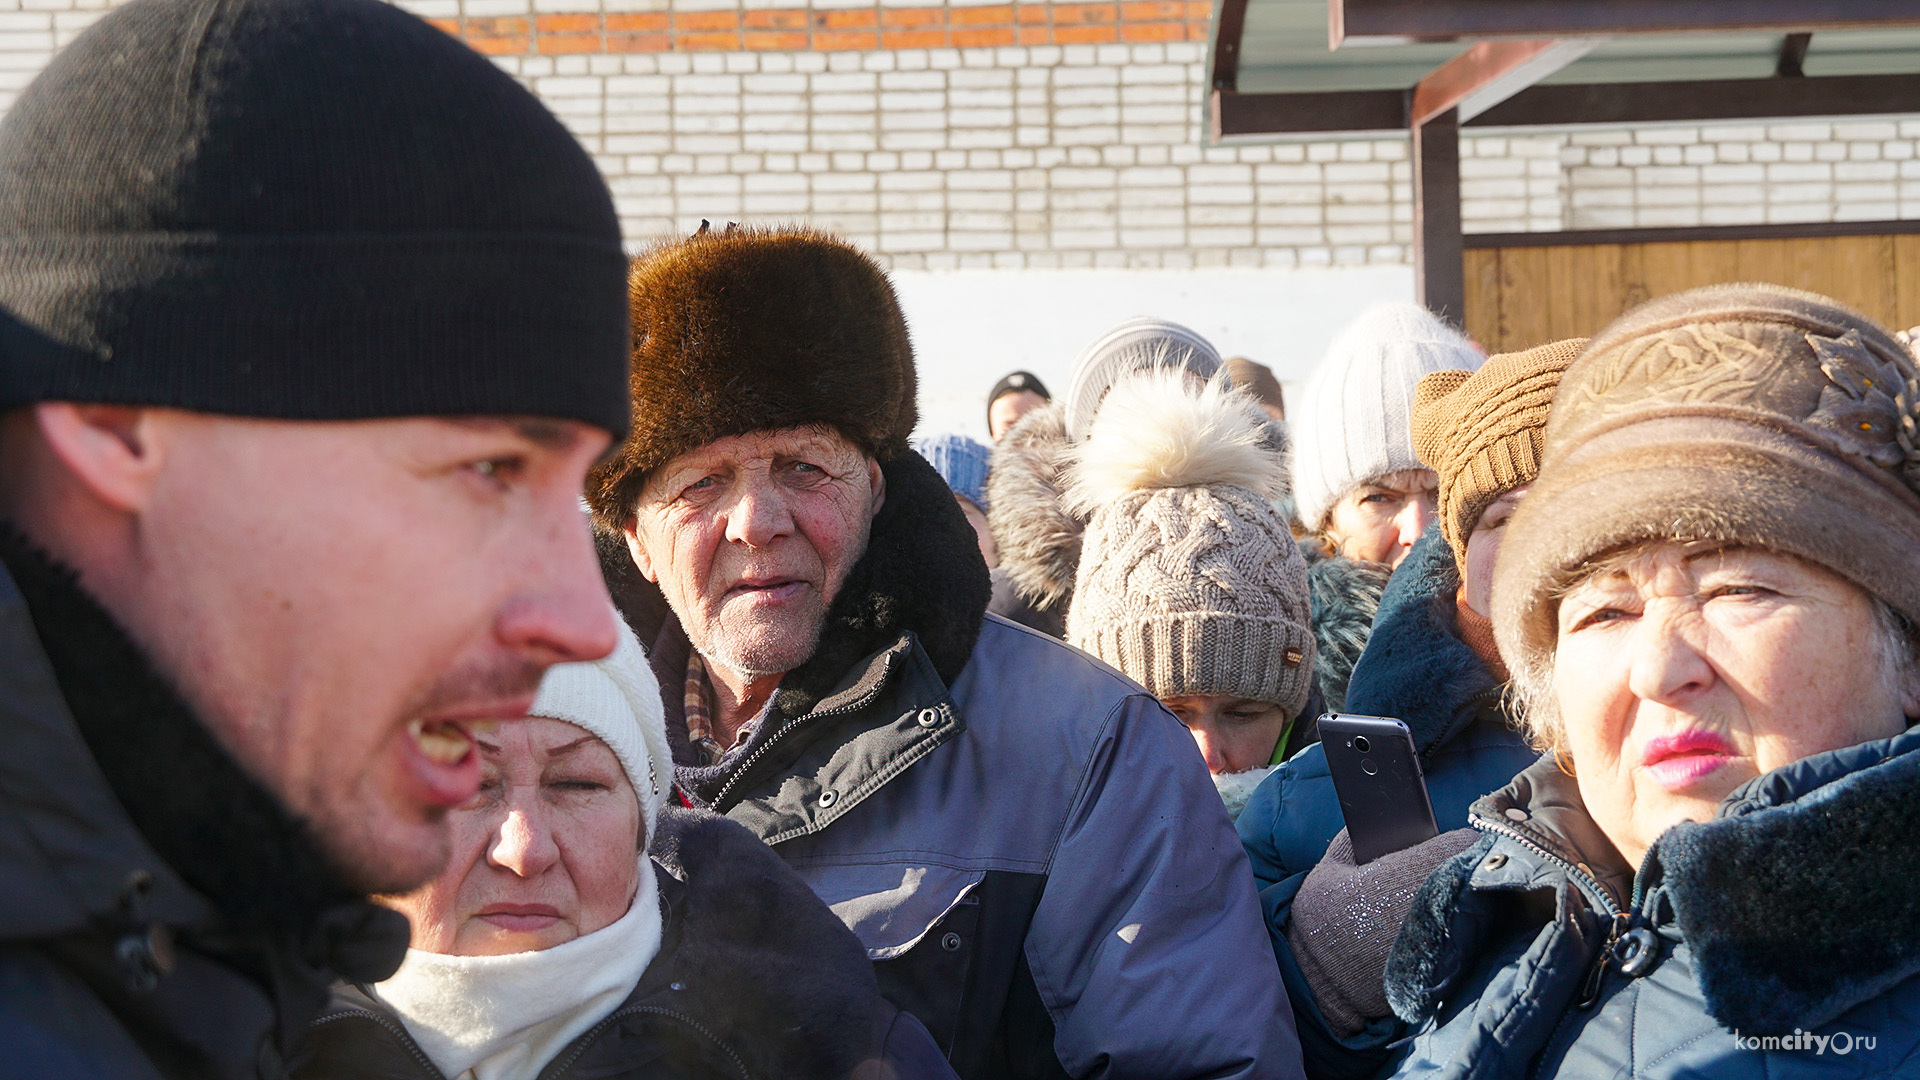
(1189, 580)
(1134, 345)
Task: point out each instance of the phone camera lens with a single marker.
(1360, 743)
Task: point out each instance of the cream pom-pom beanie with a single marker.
(1189, 581)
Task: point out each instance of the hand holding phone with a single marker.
(1376, 774)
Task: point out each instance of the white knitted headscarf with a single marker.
(1352, 421)
(506, 1017)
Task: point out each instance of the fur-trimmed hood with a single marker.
(1345, 597)
(1038, 539)
(1415, 666)
(1796, 901)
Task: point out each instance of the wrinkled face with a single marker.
(1007, 409)
(546, 852)
(338, 601)
(982, 532)
(1483, 547)
(1689, 672)
(750, 538)
(1234, 734)
(1379, 521)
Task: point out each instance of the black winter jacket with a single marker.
(755, 980)
(160, 915)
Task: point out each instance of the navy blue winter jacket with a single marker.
(1417, 669)
(1779, 940)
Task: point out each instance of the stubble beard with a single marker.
(759, 647)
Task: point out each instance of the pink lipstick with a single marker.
(1680, 760)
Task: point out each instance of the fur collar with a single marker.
(1038, 539)
(1819, 861)
(922, 574)
(1344, 596)
(1415, 667)
(1796, 900)
(213, 824)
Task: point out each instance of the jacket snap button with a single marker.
(1635, 951)
(829, 797)
(1494, 861)
(929, 717)
(677, 986)
(1514, 813)
(950, 942)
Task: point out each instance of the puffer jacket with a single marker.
(754, 979)
(1780, 939)
(117, 961)
(1416, 669)
(1026, 843)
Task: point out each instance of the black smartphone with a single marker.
(1376, 774)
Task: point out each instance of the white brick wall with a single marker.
(1090, 156)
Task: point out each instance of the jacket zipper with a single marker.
(396, 1029)
(726, 789)
(1618, 920)
(561, 1064)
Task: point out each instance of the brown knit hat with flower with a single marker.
(746, 329)
(1482, 430)
(1734, 414)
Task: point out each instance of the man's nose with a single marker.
(759, 514)
(562, 613)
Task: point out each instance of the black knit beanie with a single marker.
(302, 209)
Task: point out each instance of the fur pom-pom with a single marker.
(1156, 430)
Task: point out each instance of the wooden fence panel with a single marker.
(1523, 295)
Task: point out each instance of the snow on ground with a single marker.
(972, 326)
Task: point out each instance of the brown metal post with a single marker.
(1439, 275)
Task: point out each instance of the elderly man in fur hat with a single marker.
(1025, 841)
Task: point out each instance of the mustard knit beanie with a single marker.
(1481, 430)
(1189, 580)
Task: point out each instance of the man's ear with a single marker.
(877, 479)
(631, 530)
(112, 450)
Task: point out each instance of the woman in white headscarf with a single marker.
(579, 930)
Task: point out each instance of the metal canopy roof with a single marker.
(1345, 68)
(1284, 47)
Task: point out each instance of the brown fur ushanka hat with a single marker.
(749, 329)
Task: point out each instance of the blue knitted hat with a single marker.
(961, 461)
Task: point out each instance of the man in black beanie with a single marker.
(311, 323)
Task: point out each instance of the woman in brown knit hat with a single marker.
(1429, 662)
(1708, 600)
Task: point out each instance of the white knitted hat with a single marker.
(1134, 345)
(618, 699)
(1189, 580)
(1351, 424)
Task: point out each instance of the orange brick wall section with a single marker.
(801, 29)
